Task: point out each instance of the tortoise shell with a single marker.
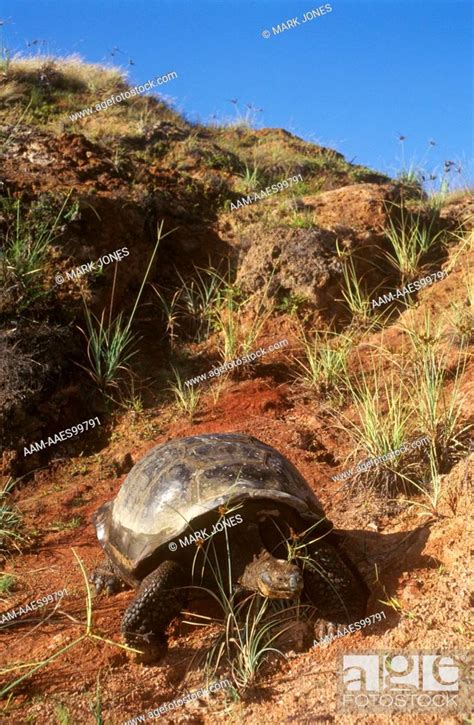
(179, 481)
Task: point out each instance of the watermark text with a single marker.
(74, 430)
(350, 629)
(88, 267)
(231, 364)
(404, 682)
(409, 288)
(179, 702)
(202, 535)
(294, 22)
(135, 91)
(264, 193)
(32, 606)
(370, 462)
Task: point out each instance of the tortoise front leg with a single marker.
(337, 592)
(159, 599)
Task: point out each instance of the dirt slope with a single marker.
(124, 180)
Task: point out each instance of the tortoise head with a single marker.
(273, 578)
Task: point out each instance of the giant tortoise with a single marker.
(223, 493)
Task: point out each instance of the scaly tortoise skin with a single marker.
(187, 485)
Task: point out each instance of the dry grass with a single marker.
(69, 73)
(278, 155)
(53, 88)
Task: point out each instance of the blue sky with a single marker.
(352, 79)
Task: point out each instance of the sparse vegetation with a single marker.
(293, 304)
(461, 314)
(110, 342)
(398, 607)
(434, 383)
(109, 348)
(239, 321)
(70, 73)
(354, 291)
(10, 519)
(324, 365)
(68, 525)
(303, 220)
(52, 88)
(251, 178)
(383, 423)
(200, 297)
(7, 583)
(412, 238)
(360, 385)
(439, 411)
(194, 306)
(88, 633)
(209, 305)
(62, 714)
(186, 396)
(248, 629)
(96, 706)
(27, 246)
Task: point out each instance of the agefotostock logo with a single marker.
(404, 681)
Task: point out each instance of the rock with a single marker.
(305, 262)
(459, 210)
(361, 208)
(298, 261)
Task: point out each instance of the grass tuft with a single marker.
(10, 520)
(186, 396)
(324, 364)
(248, 628)
(7, 583)
(27, 246)
(355, 295)
(381, 424)
(412, 239)
(110, 343)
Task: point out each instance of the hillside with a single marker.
(140, 251)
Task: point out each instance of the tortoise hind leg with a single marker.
(337, 592)
(158, 600)
(105, 577)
